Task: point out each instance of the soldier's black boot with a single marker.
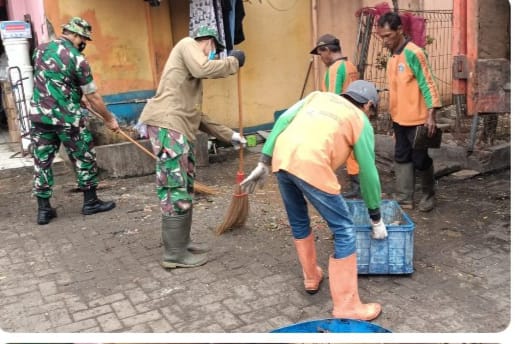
(92, 204)
(45, 212)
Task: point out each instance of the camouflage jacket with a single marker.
(61, 75)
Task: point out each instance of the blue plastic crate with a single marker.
(393, 255)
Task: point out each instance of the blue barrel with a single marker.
(332, 326)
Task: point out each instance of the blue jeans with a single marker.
(332, 208)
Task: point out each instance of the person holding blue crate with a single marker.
(307, 144)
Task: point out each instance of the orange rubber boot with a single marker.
(313, 274)
(343, 275)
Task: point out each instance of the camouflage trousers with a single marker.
(79, 146)
(175, 170)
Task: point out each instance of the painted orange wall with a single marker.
(277, 42)
(120, 53)
(132, 41)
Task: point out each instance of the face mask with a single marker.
(82, 46)
(212, 54)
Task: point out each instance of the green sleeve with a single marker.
(371, 189)
(422, 71)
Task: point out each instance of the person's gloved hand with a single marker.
(257, 176)
(236, 140)
(239, 55)
(378, 230)
(141, 129)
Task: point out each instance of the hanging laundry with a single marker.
(233, 13)
(228, 22)
(207, 13)
(239, 13)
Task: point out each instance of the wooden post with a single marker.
(11, 112)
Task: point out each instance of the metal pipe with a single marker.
(473, 132)
(131, 101)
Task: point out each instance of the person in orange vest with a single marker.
(308, 142)
(413, 101)
(340, 72)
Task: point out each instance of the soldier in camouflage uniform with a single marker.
(63, 84)
(173, 117)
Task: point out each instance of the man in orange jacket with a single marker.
(307, 144)
(340, 72)
(413, 100)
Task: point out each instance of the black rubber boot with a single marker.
(405, 184)
(354, 191)
(92, 204)
(427, 180)
(45, 212)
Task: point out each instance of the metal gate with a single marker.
(371, 56)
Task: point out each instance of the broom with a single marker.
(239, 206)
(198, 187)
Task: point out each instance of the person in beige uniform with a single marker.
(173, 117)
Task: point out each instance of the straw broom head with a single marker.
(204, 189)
(239, 206)
(238, 211)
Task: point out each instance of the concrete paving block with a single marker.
(125, 159)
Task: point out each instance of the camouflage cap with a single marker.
(205, 31)
(80, 26)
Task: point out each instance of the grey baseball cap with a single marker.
(362, 91)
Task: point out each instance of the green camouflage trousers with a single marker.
(175, 170)
(79, 147)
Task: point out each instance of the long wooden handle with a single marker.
(197, 185)
(129, 138)
(240, 119)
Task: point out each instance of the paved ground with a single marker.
(101, 273)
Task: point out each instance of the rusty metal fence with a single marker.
(371, 58)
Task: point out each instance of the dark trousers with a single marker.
(404, 151)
